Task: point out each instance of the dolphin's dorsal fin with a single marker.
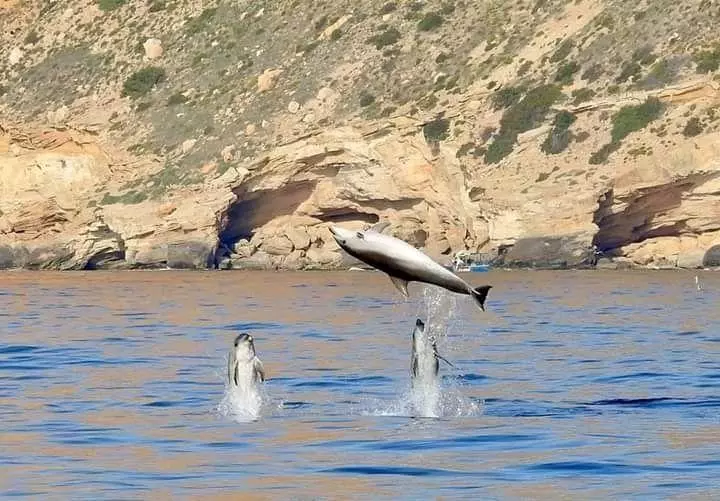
(401, 285)
(379, 227)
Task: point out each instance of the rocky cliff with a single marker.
(140, 134)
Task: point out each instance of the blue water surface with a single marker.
(573, 385)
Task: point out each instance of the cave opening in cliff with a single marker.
(711, 258)
(638, 221)
(347, 215)
(253, 210)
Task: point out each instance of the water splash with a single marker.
(431, 396)
(242, 403)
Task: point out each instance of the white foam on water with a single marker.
(243, 403)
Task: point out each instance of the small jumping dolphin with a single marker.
(424, 359)
(244, 367)
(402, 262)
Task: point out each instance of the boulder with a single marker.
(277, 245)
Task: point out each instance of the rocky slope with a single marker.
(138, 134)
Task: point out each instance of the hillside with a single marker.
(153, 133)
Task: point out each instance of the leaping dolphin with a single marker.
(402, 262)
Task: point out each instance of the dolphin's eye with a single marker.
(360, 235)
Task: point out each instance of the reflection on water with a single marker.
(571, 385)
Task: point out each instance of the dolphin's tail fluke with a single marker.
(479, 294)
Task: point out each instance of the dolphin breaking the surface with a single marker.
(244, 367)
(402, 262)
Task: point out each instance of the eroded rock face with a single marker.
(275, 213)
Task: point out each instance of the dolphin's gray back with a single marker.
(398, 258)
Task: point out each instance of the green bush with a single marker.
(660, 74)
(177, 98)
(436, 130)
(559, 136)
(582, 95)
(707, 61)
(202, 22)
(564, 74)
(626, 121)
(633, 118)
(388, 8)
(32, 37)
(629, 70)
(562, 51)
(507, 96)
(530, 111)
(601, 156)
(108, 5)
(142, 81)
(366, 99)
(388, 37)
(693, 127)
(644, 55)
(526, 114)
(430, 21)
(501, 147)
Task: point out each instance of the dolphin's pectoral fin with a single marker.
(236, 376)
(414, 367)
(401, 285)
(259, 370)
(379, 227)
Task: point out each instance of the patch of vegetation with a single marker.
(142, 81)
(202, 22)
(109, 5)
(366, 99)
(581, 136)
(661, 73)
(388, 37)
(582, 95)
(601, 156)
(436, 130)
(335, 34)
(130, 198)
(388, 8)
(507, 96)
(562, 51)
(524, 67)
(634, 118)
(629, 70)
(640, 151)
(559, 136)
(707, 61)
(605, 20)
(626, 121)
(177, 98)
(564, 74)
(693, 127)
(32, 37)
(526, 114)
(430, 21)
(156, 5)
(644, 55)
(593, 73)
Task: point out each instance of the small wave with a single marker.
(391, 470)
